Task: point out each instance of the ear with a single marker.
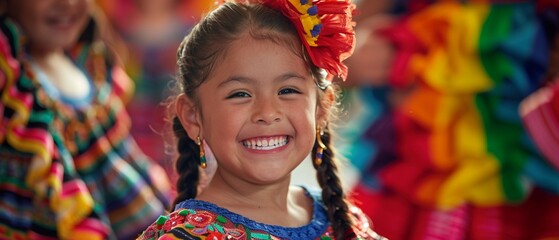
(188, 115)
(324, 107)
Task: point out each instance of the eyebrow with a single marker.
(243, 79)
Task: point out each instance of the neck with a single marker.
(40, 53)
(276, 203)
(235, 193)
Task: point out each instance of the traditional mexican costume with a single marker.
(69, 168)
(195, 219)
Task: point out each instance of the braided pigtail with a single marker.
(187, 164)
(332, 192)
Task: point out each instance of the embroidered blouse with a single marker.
(196, 219)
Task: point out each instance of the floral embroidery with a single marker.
(199, 224)
(215, 236)
(195, 219)
(235, 233)
(201, 219)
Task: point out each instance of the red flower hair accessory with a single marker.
(325, 28)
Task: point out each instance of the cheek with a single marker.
(29, 21)
(306, 120)
(221, 122)
(85, 14)
(84, 8)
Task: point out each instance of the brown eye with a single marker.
(288, 91)
(238, 95)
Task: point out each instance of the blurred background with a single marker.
(451, 125)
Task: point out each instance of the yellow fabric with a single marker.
(452, 63)
(307, 21)
(450, 75)
(71, 210)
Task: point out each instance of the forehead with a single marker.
(30, 4)
(248, 55)
(15, 7)
(26, 8)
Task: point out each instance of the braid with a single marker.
(187, 164)
(332, 192)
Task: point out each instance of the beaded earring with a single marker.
(202, 153)
(318, 157)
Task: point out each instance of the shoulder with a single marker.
(362, 225)
(194, 224)
(177, 221)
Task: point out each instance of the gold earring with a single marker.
(320, 148)
(202, 153)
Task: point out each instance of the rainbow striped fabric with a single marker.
(445, 139)
(69, 173)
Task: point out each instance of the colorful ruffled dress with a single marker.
(196, 219)
(69, 169)
(442, 147)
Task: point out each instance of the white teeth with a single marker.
(265, 143)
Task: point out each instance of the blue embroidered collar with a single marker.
(312, 230)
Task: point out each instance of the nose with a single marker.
(266, 111)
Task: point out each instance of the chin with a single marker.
(268, 179)
(67, 44)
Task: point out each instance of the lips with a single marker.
(62, 22)
(265, 143)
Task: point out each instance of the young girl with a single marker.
(68, 167)
(255, 89)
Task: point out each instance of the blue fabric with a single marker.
(313, 230)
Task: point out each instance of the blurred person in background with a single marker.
(434, 91)
(152, 32)
(69, 168)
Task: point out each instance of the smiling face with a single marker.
(258, 111)
(50, 25)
